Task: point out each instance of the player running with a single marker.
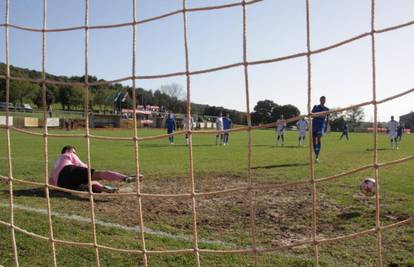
(319, 125)
(392, 127)
(302, 125)
(280, 130)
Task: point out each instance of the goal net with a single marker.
(314, 242)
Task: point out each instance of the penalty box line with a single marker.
(147, 230)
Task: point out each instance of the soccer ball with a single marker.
(368, 187)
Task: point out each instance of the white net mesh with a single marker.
(315, 241)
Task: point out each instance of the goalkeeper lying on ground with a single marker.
(71, 173)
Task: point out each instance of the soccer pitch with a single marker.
(282, 215)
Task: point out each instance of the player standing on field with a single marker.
(186, 128)
(400, 131)
(219, 128)
(319, 125)
(280, 130)
(227, 122)
(392, 127)
(170, 126)
(345, 131)
(302, 125)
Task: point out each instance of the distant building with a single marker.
(149, 108)
(407, 121)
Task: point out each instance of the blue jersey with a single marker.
(318, 123)
(170, 124)
(226, 123)
(400, 130)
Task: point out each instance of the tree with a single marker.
(20, 90)
(290, 111)
(54, 93)
(70, 96)
(64, 96)
(354, 117)
(101, 96)
(214, 111)
(175, 95)
(337, 121)
(144, 97)
(161, 99)
(267, 111)
(173, 90)
(264, 111)
(51, 91)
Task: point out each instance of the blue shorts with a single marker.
(317, 133)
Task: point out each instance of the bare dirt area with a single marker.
(282, 215)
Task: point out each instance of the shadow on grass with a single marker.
(40, 192)
(378, 149)
(281, 165)
(275, 146)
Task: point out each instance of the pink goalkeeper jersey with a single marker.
(65, 159)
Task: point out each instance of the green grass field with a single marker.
(282, 215)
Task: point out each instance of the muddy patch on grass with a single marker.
(282, 215)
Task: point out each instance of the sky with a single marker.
(274, 28)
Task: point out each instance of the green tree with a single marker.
(290, 111)
(64, 96)
(70, 96)
(51, 92)
(354, 117)
(101, 96)
(337, 121)
(76, 98)
(264, 111)
(20, 90)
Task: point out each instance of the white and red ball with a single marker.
(368, 187)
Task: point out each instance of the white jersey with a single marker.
(219, 124)
(191, 123)
(302, 127)
(392, 128)
(280, 126)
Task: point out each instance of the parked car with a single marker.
(24, 107)
(3, 106)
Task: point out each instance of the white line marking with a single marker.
(118, 226)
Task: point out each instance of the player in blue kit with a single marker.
(227, 122)
(345, 131)
(170, 126)
(319, 124)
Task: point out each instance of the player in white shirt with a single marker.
(302, 125)
(392, 127)
(280, 129)
(219, 127)
(186, 128)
